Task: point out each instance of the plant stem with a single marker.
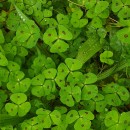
(62, 55)
(76, 3)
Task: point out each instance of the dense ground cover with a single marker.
(64, 64)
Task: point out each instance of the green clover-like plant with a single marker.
(42, 87)
(13, 16)
(115, 94)
(114, 120)
(38, 82)
(28, 34)
(123, 35)
(62, 19)
(50, 73)
(3, 98)
(3, 60)
(75, 78)
(124, 120)
(89, 4)
(70, 94)
(19, 105)
(118, 7)
(76, 20)
(101, 6)
(111, 118)
(2, 39)
(51, 38)
(73, 64)
(100, 102)
(4, 74)
(31, 124)
(89, 91)
(97, 103)
(64, 65)
(17, 83)
(41, 63)
(10, 51)
(72, 116)
(46, 118)
(90, 78)
(80, 118)
(68, 70)
(105, 57)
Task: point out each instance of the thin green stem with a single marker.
(62, 55)
(76, 3)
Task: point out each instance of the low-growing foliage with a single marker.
(65, 64)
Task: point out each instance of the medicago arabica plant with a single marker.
(65, 65)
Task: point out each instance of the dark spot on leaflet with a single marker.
(74, 32)
(125, 13)
(89, 92)
(86, 113)
(60, 80)
(100, 105)
(71, 115)
(82, 125)
(86, 76)
(96, 96)
(32, 26)
(62, 70)
(76, 14)
(125, 121)
(112, 86)
(112, 100)
(40, 60)
(22, 31)
(32, 119)
(59, 47)
(38, 79)
(49, 35)
(95, 22)
(117, 4)
(67, 84)
(57, 116)
(49, 72)
(126, 35)
(110, 118)
(27, 9)
(74, 77)
(42, 121)
(16, 42)
(123, 93)
(63, 32)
